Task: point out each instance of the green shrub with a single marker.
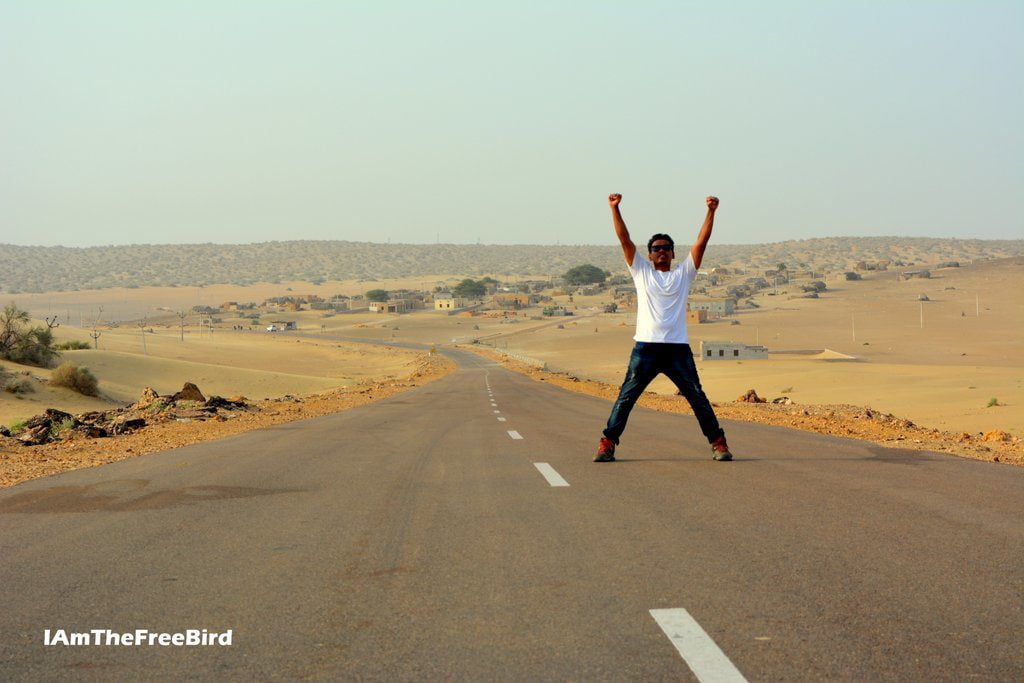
(73, 345)
(58, 427)
(21, 343)
(75, 377)
(992, 402)
(786, 390)
(17, 427)
(16, 385)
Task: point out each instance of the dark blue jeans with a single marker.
(676, 361)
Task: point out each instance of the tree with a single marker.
(469, 289)
(376, 295)
(24, 344)
(586, 274)
(782, 266)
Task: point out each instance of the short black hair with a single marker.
(660, 236)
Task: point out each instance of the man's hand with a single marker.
(711, 201)
(628, 248)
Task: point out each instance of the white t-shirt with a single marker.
(661, 300)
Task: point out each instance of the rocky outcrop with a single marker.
(189, 392)
(750, 397)
(185, 406)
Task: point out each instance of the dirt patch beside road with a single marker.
(20, 463)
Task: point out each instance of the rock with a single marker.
(997, 435)
(196, 413)
(189, 392)
(49, 417)
(127, 426)
(783, 400)
(4, 431)
(34, 436)
(964, 436)
(751, 397)
(148, 398)
(94, 432)
(220, 402)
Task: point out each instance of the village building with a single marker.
(696, 317)
(556, 311)
(449, 302)
(514, 301)
(716, 308)
(334, 305)
(284, 324)
(727, 350)
(396, 306)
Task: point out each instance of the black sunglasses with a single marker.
(661, 247)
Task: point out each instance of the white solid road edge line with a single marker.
(514, 434)
(707, 661)
(548, 472)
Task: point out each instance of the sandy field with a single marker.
(19, 463)
(938, 362)
(969, 350)
(82, 307)
(254, 365)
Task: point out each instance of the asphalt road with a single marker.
(416, 538)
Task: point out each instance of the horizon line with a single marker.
(493, 244)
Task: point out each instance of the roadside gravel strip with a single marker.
(858, 422)
(20, 463)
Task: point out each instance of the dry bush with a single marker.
(18, 385)
(75, 377)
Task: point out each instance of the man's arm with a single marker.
(628, 248)
(697, 250)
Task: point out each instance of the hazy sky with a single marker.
(155, 122)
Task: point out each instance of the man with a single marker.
(662, 345)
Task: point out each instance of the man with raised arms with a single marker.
(662, 345)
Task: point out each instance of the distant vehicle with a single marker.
(272, 328)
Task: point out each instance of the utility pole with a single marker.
(853, 325)
(977, 306)
(922, 315)
(142, 327)
(181, 324)
(95, 334)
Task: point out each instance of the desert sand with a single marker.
(940, 375)
(937, 362)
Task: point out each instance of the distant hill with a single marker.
(41, 269)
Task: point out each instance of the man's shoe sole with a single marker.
(605, 458)
(721, 457)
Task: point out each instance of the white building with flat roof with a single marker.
(727, 350)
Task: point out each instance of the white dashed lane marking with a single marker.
(514, 434)
(707, 661)
(549, 473)
(501, 419)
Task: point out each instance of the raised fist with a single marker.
(712, 203)
(614, 199)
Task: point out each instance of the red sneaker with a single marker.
(721, 449)
(605, 450)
